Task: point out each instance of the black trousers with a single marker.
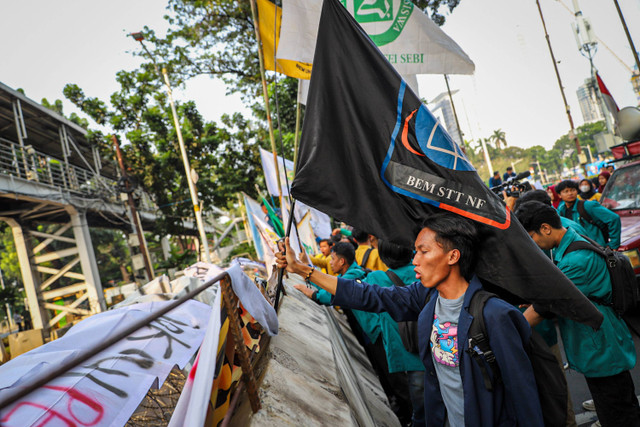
(615, 400)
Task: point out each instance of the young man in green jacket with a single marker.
(604, 356)
(602, 218)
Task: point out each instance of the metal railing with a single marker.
(33, 165)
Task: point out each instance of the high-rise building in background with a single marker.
(588, 100)
(441, 108)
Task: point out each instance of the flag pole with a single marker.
(455, 115)
(265, 94)
(279, 287)
(297, 134)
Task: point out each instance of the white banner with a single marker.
(269, 167)
(409, 39)
(254, 209)
(106, 389)
(191, 409)
(307, 236)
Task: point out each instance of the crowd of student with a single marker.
(410, 310)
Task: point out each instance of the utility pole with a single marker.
(148, 267)
(588, 46)
(183, 152)
(572, 133)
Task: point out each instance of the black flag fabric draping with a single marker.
(373, 155)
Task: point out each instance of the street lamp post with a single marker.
(183, 152)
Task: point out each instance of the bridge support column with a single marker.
(87, 260)
(30, 277)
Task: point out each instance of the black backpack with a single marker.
(365, 258)
(584, 216)
(408, 329)
(550, 380)
(625, 295)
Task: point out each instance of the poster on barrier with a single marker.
(106, 389)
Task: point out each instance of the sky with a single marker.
(48, 44)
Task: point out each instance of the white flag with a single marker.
(269, 167)
(409, 39)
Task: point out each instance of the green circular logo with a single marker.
(383, 20)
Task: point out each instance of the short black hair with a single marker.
(345, 250)
(509, 168)
(360, 235)
(394, 255)
(567, 183)
(455, 232)
(496, 173)
(335, 238)
(533, 214)
(327, 241)
(527, 196)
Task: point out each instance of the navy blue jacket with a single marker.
(513, 402)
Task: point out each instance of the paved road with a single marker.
(580, 392)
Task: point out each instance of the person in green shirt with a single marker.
(601, 217)
(603, 356)
(366, 328)
(399, 361)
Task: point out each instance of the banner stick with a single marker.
(281, 271)
(265, 94)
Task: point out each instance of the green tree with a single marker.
(8, 256)
(499, 139)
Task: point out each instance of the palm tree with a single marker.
(499, 138)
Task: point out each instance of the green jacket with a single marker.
(398, 359)
(601, 215)
(609, 350)
(354, 272)
(547, 328)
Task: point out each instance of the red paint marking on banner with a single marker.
(405, 133)
(70, 418)
(478, 218)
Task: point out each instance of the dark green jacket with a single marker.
(398, 359)
(354, 272)
(600, 215)
(609, 350)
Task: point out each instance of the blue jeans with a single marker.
(416, 394)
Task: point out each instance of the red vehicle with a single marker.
(622, 195)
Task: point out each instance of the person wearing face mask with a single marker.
(588, 191)
(601, 224)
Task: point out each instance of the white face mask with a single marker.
(585, 188)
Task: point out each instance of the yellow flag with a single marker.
(266, 11)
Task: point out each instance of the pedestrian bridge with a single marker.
(51, 174)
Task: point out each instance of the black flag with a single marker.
(374, 156)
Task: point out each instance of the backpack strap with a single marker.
(394, 278)
(365, 258)
(593, 246)
(584, 215)
(479, 339)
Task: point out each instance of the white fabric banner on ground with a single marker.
(191, 409)
(106, 389)
(269, 168)
(409, 39)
